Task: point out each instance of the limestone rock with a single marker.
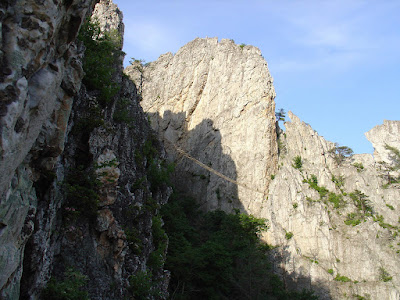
(109, 17)
(315, 244)
(40, 73)
(382, 135)
(44, 144)
(214, 100)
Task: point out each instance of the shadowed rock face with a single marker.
(52, 128)
(230, 86)
(40, 73)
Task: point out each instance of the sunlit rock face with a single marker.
(332, 217)
(319, 246)
(214, 100)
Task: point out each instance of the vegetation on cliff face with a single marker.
(101, 55)
(216, 255)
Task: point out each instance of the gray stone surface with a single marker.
(40, 72)
(321, 240)
(43, 106)
(214, 100)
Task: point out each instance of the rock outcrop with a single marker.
(214, 100)
(332, 215)
(40, 73)
(325, 237)
(77, 196)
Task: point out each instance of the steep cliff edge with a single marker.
(214, 100)
(334, 217)
(82, 176)
(40, 73)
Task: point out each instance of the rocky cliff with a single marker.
(41, 72)
(215, 101)
(333, 216)
(82, 176)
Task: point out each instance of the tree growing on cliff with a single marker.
(101, 55)
(388, 168)
(340, 153)
(280, 115)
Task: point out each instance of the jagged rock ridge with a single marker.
(324, 239)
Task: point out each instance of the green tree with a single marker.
(361, 201)
(388, 168)
(216, 255)
(101, 56)
(340, 153)
(280, 115)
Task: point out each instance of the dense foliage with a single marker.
(216, 255)
(70, 288)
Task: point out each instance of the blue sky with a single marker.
(335, 64)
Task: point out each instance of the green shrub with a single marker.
(338, 181)
(91, 118)
(380, 220)
(330, 271)
(342, 278)
(340, 153)
(133, 239)
(122, 113)
(297, 162)
(390, 206)
(141, 285)
(359, 167)
(394, 156)
(352, 219)
(70, 288)
(361, 201)
(336, 200)
(313, 183)
(149, 149)
(159, 173)
(384, 275)
(288, 235)
(160, 239)
(81, 187)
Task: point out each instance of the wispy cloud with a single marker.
(337, 35)
(148, 38)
